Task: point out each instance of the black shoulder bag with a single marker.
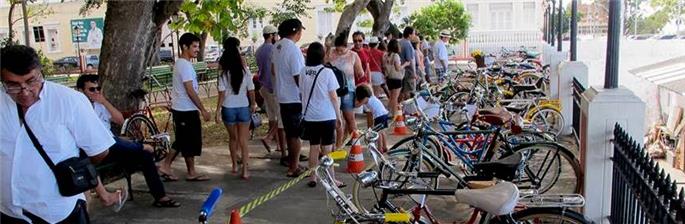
(302, 131)
(74, 175)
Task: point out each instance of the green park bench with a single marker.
(161, 76)
(60, 79)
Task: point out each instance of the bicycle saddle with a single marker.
(504, 168)
(495, 116)
(516, 108)
(519, 88)
(496, 200)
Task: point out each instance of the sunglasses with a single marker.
(92, 89)
(358, 41)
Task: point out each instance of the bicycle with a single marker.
(535, 207)
(142, 126)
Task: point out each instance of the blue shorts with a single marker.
(237, 115)
(347, 102)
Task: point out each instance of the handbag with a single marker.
(301, 122)
(256, 120)
(74, 175)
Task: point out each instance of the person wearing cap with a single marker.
(263, 58)
(377, 77)
(287, 62)
(440, 54)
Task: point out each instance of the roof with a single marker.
(669, 74)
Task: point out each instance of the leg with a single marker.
(314, 151)
(294, 145)
(339, 136)
(233, 146)
(243, 134)
(350, 123)
(280, 139)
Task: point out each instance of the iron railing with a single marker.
(578, 90)
(641, 191)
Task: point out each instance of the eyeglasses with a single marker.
(14, 88)
(92, 89)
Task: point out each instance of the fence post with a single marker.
(556, 58)
(568, 71)
(601, 110)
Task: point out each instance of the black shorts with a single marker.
(187, 124)
(394, 83)
(291, 113)
(380, 123)
(320, 132)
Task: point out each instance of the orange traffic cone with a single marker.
(235, 217)
(400, 128)
(355, 163)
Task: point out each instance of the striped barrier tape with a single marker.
(268, 196)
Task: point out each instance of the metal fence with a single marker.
(641, 191)
(578, 90)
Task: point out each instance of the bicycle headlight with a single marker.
(412, 123)
(368, 178)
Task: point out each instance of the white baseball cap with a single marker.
(445, 33)
(373, 40)
(269, 29)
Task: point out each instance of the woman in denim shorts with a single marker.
(236, 102)
(349, 63)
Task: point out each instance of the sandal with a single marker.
(167, 177)
(200, 177)
(295, 173)
(123, 197)
(167, 204)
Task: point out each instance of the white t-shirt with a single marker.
(376, 107)
(439, 53)
(321, 108)
(183, 72)
(232, 100)
(288, 62)
(103, 114)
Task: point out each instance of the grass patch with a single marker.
(213, 134)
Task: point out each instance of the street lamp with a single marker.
(77, 30)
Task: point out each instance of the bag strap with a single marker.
(312, 91)
(34, 140)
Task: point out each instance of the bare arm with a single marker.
(96, 159)
(253, 102)
(358, 69)
(117, 117)
(219, 101)
(188, 85)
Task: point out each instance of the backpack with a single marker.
(342, 80)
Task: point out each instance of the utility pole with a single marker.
(560, 30)
(574, 29)
(613, 42)
(552, 20)
(26, 23)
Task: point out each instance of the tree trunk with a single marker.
(155, 55)
(348, 16)
(128, 45)
(380, 11)
(10, 23)
(203, 42)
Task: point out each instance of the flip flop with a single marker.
(123, 197)
(167, 177)
(197, 178)
(167, 204)
(295, 173)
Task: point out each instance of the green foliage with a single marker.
(48, 68)
(566, 19)
(218, 18)
(368, 23)
(289, 9)
(338, 5)
(446, 14)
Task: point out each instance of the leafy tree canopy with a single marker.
(442, 15)
(216, 17)
(289, 9)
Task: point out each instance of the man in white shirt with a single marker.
(287, 63)
(186, 109)
(440, 54)
(94, 36)
(62, 121)
(131, 155)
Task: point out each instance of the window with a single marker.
(527, 14)
(500, 16)
(38, 34)
(53, 39)
(473, 10)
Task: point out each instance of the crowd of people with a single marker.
(312, 98)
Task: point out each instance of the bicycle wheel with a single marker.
(452, 112)
(549, 216)
(548, 120)
(549, 168)
(139, 128)
(367, 199)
